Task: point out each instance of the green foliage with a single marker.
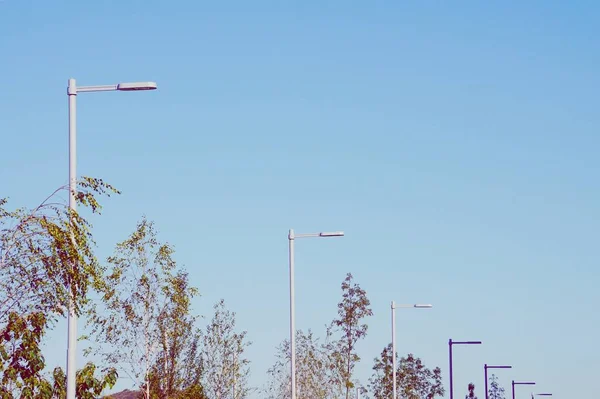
(313, 370)
(222, 356)
(324, 370)
(21, 359)
(177, 370)
(22, 364)
(413, 379)
(46, 254)
(88, 386)
(144, 325)
(46, 261)
(352, 310)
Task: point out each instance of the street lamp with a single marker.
(394, 306)
(519, 383)
(485, 369)
(72, 91)
(291, 238)
(450, 343)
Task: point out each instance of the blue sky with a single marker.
(455, 144)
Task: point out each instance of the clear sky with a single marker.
(456, 144)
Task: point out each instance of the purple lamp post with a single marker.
(541, 394)
(519, 383)
(450, 343)
(485, 369)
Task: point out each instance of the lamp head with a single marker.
(332, 234)
(136, 86)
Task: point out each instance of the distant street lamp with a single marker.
(450, 343)
(292, 237)
(72, 91)
(519, 383)
(394, 307)
(485, 369)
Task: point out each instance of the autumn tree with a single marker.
(495, 391)
(314, 370)
(87, 385)
(46, 254)
(413, 379)
(146, 308)
(177, 371)
(225, 369)
(46, 263)
(22, 365)
(350, 327)
(381, 382)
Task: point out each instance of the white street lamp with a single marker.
(394, 307)
(72, 92)
(291, 238)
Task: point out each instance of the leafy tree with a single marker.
(148, 304)
(495, 391)
(87, 385)
(381, 383)
(46, 262)
(313, 369)
(177, 371)
(22, 361)
(46, 254)
(225, 368)
(353, 308)
(413, 379)
(471, 394)
(22, 364)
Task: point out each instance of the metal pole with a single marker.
(393, 349)
(513, 389)
(450, 356)
(72, 317)
(485, 367)
(292, 317)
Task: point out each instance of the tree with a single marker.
(177, 371)
(353, 308)
(22, 361)
(46, 263)
(148, 305)
(381, 383)
(413, 379)
(46, 254)
(88, 386)
(22, 364)
(225, 368)
(313, 370)
(495, 391)
(471, 394)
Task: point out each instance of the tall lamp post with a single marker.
(291, 238)
(450, 344)
(485, 369)
(72, 91)
(519, 383)
(394, 307)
